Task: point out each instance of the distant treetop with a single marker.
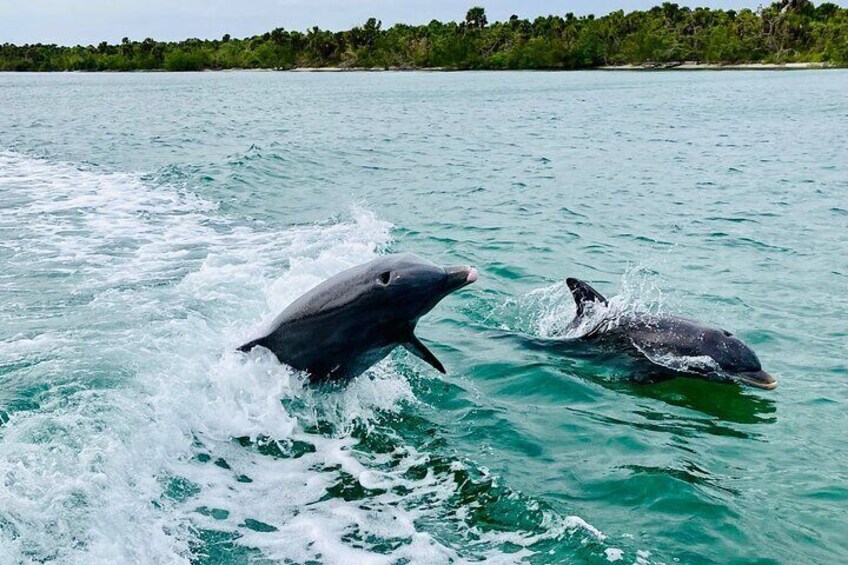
(783, 32)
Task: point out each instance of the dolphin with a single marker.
(672, 345)
(356, 318)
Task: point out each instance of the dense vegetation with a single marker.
(785, 31)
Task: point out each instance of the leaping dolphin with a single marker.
(671, 344)
(356, 318)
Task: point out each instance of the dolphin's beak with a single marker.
(459, 277)
(759, 379)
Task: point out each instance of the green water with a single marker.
(150, 223)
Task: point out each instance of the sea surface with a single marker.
(151, 223)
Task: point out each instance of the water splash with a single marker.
(549, 312)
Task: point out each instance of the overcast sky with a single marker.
(91, 21)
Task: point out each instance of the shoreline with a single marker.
(696, 66)
(676, 66)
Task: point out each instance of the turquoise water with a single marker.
(150, 223)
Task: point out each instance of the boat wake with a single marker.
(132, 432)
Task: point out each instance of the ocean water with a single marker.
(150, 223)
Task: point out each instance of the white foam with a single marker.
(642, 557)
(682, 363)
(613, 554)
(82, 473)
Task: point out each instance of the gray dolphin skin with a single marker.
(356, 318)
(682, 345)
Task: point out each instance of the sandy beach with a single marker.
(696, 66)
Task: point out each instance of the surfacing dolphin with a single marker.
(672, 345)
(356, 318)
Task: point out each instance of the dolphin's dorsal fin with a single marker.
(583, 293)
(414, 346)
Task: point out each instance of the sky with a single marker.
(71, 22)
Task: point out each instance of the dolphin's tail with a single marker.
(251, 344)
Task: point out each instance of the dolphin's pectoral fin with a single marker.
(583, 293)
(414, 346)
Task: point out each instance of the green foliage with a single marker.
(186, 60)
(785, 31)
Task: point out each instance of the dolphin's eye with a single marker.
(384, 278)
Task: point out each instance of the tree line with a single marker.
(783, 32)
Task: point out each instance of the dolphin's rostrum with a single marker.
(354, 319)
(672, 344)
